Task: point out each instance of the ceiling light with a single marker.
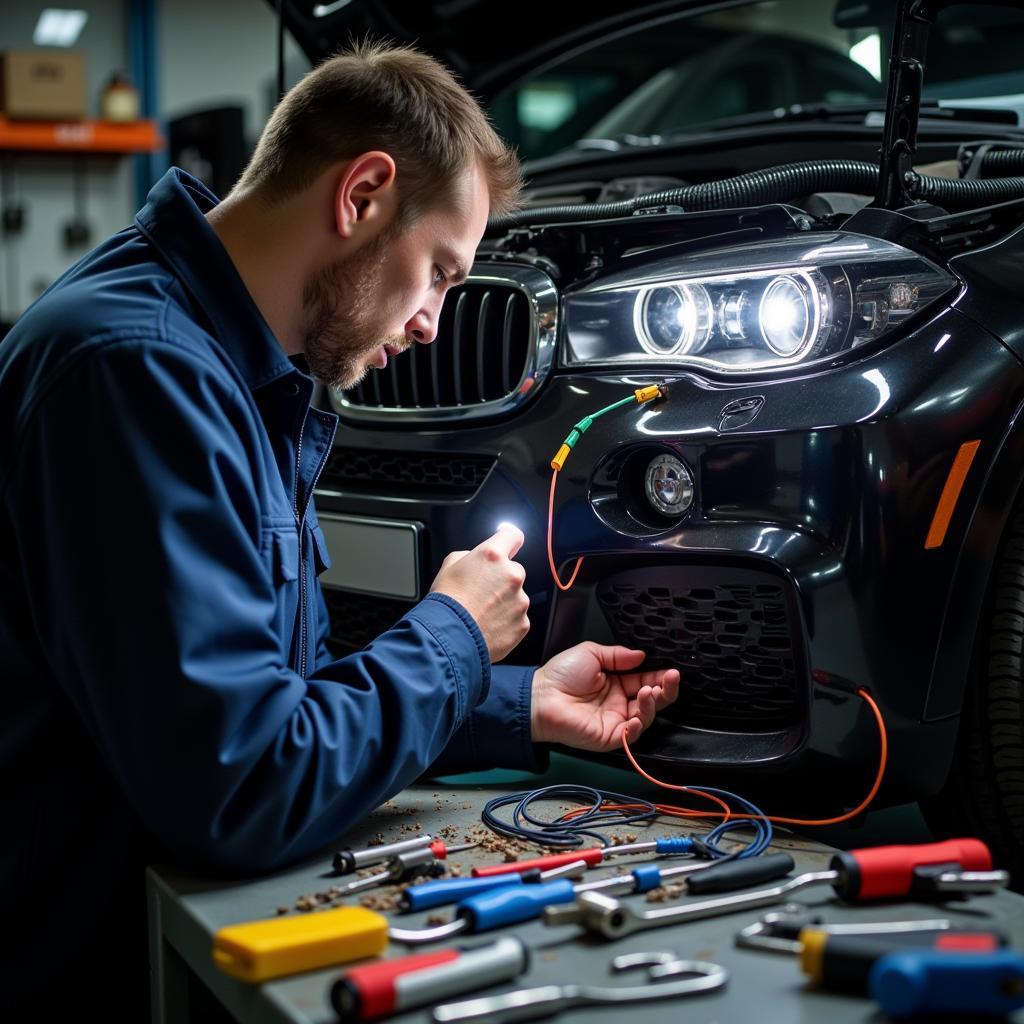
(57, 27)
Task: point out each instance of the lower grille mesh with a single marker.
(732, 640)
(423, 475)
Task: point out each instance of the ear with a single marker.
(365, 196)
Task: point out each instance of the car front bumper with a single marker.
(799, 574)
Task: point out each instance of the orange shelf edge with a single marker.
(80, 136)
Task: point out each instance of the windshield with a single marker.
(693, 71)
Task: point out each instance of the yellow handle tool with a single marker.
(259, 950)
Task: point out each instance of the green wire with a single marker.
(584, 424)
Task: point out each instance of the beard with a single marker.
(343, 327)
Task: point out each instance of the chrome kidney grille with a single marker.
(495, 344)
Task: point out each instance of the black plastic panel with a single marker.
(729, 632)
(426, 475)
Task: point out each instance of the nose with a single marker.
(422, 328)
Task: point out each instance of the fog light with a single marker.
(668, 485)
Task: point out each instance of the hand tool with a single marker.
(403, 867)
(957, 866)
(514, 904)
(929, 981)
(839, 957)
(393, 986)
(258, 950)
(685, 978)
(347, 861)
(453, 890)
(592, 855)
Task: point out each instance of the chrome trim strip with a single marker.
(542, 296)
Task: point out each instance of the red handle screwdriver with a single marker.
(393, 986)
(594, 855)
(931, 869)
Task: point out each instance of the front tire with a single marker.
(984, 795)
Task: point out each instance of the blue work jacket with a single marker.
(166, 686)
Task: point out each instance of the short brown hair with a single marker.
(392, 98)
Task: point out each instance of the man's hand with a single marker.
(489, 585)
(578, 702)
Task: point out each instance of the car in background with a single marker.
(821, 268)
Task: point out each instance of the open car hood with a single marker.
(488, 43)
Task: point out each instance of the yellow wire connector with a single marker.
(559, 460)
(640, 395)
(646, 394)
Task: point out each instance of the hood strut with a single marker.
(914, 19)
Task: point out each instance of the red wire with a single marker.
(551, 557)
(859, 809)
(726, 813)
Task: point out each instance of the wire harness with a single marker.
(640, 395)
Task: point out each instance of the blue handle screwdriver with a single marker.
(932, 981)
(512, 904)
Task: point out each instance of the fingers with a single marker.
(668, 684)
(616, 659)
(660, 689)
(666, 680)
(507, 539)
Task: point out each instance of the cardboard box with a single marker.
(42, 85)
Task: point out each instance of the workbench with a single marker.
(185, 911)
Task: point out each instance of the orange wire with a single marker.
(551, 557)
(859, 809)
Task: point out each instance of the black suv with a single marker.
(817, 253)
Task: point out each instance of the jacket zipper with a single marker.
(300, 523)
(302, 559)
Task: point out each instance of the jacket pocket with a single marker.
(321, 556)
(286, 556)
(280, 547)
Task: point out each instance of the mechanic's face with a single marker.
(368, 308)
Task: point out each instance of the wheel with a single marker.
(984, 795)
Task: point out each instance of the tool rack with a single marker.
(185, 911)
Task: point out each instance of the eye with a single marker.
(440, 277)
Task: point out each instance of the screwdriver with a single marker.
(591, 856)
(516, 903)
(839, 957)
(347, 861)
(931, 869)
(403, 867)
(929, 981)
(453, 890)
(423, 979)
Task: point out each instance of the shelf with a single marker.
(80, 136)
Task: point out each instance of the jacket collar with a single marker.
(174, 221)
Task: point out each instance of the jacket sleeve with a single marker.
(496, 733)
(150, 587)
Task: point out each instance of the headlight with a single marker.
(752, 307)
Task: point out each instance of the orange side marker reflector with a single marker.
(951, 494)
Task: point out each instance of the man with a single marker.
(166, 684)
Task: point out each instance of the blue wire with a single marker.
(761, 828)
(527, 825)
(551, 832)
